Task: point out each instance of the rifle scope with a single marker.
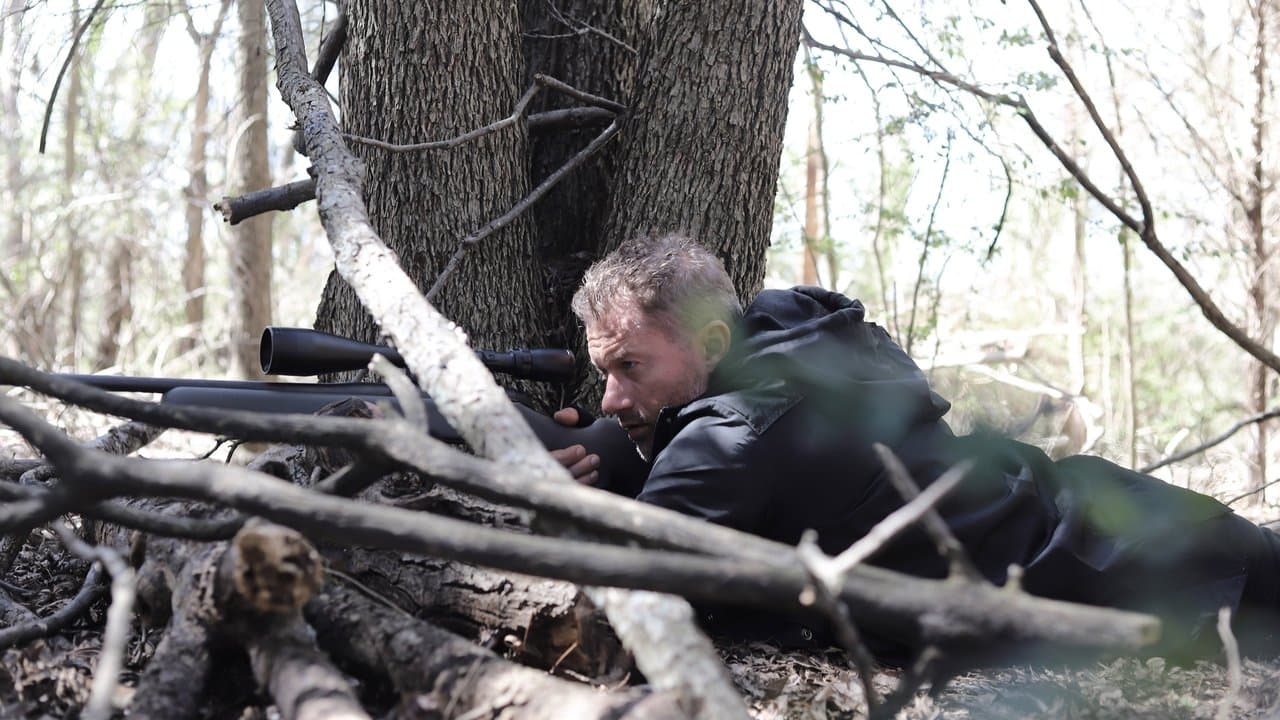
(300, 351)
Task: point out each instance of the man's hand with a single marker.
(583, 467)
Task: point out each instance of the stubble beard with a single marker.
(692, 389)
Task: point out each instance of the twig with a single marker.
(948, 546)
(284, 197)
(287, 197)
(1216, 440)
(406, 393)
(898, 521)
(814, 562)
(1255, 491)
(90, 590)
(330, 48)
(506, 218)
(57, 83)
(580, 28)
(566, 89)
(911, 681)
(462, 139)
(574, 117)
(123, 589)
(1232, 650)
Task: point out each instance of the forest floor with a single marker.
(51, 678)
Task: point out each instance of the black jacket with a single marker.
(782, 441)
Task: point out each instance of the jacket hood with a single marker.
(819, 342)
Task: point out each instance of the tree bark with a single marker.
(592, 46)
(435, 671)
(422, 204)
(700, 152)
(251, 240)
(75, 253)
(1260, 290)
(12, 34)
(544, 623)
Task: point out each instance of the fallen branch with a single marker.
(814, 562)
(302, 681)
(440, 670)
(90, 591)
(948, 545)
(106, 676)
(928, 610)
(1231, 649)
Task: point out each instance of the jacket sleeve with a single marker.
(706, 471)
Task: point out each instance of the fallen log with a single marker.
(539, 622)
(436, 672)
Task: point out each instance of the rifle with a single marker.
(303, 352)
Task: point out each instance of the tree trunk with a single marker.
(423, 203)
(592, 46)
(11, 33)
(75, 253)
(251, 239)
(197, 195)
(1260, 289)
(700, 152)
(117, 301)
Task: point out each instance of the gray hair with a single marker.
(669, 276)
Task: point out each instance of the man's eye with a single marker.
(628, 365)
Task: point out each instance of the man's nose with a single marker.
(614, 400)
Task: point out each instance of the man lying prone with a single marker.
(765, 421)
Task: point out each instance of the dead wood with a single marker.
(13, 612)
(438, 674)
(300, 678)
(748, 569)
(540, 622)
(224, 593)
(46, 626)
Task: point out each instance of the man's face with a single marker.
(647, 365)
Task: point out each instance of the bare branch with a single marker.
(1145, 229)
(1214, 441)
(960, 613)
(285, 197)
(948, 546)
(534, 195)
(897, 521)
(462, 139)
(1231, 649)
(90, 590)
(566, 89)
(406, 393)
(815, 563)
(119, 615)
(71, 53)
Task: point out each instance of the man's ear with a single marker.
(714, 338)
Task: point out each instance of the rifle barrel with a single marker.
(126, 383)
